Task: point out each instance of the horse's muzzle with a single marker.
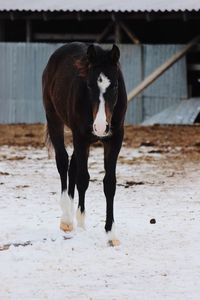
(101, 129)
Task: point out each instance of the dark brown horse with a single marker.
(83, 88)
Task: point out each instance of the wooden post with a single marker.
(117, 33)
(161, 69)
(28, 31)
(2, 31)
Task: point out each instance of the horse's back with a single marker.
(72, 50)
(65, 56)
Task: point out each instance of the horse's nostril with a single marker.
(107, 128)
(101, 129)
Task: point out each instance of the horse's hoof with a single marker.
(114, 243)
(66, 227)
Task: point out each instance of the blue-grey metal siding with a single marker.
(183, 112)
(21, 67)
(131, 62)
(171, 87)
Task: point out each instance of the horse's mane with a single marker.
(82, 66)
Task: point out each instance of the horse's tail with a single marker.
(47, 141)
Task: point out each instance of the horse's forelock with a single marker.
(82, 65)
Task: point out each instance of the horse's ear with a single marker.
(115, 54)
(91, 54)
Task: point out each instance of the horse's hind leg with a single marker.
(56, 132)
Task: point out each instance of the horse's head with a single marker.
(102, 84)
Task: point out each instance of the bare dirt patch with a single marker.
(135, 136)
(179, 142)
(163, 136)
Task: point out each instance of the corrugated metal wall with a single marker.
(22, 64)
(171, 87)
(21, 68)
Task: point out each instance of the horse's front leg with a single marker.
(81, 149)
(111, 151)
(56, 133)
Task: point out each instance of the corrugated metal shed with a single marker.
(184, 112)
(100, 5)
(168, 89)
(21, 68)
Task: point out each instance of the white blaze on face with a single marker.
(100, 123)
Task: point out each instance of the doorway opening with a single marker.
(193, 72)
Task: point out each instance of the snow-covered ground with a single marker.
(154, 261)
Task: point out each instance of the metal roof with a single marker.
(100, 5)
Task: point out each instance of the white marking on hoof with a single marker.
(112, 237)
(80, 218)
(67, 207)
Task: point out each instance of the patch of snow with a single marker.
(154, 261)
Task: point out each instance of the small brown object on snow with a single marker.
(153, 221)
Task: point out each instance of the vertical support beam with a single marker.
(140, 96)
(117, 33)
(28, 31)
(2, 31)
(185, 16)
